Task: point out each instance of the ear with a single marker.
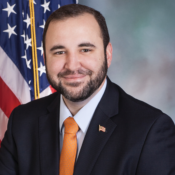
(109, 54)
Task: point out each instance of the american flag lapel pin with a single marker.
(101, 128)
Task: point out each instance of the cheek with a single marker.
(54, 66)
(88, 64)
(93, 63)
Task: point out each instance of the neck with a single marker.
(74, 107)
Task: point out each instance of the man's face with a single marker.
(75, 59)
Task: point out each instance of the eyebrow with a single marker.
(80, 45)
(57, 47)
(86, 45)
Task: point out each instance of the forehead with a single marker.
(84, 24)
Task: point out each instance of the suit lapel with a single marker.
(93, 143)
(49, 139)
(94, 140)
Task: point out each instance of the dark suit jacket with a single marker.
(139, 139)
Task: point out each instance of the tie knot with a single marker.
(70, 125)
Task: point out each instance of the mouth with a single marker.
(76, 77)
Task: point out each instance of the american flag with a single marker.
(22, 70)
(102, 128)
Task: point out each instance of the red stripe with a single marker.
(52, 89)
(8, 101)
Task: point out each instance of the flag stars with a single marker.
(23, 14)
(41, 48)
(23, 35)
(28, 42)
(10, 30)
(46, 6)
(9, 9)
(42, 69)
(27, 61)
(29, 84)
(27, 21)
(42, 26)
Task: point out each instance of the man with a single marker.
(115, 133)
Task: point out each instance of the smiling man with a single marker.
(75, 59)
(90, 126)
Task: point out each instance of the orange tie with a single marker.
(69, 150)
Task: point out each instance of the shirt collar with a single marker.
(84, 115)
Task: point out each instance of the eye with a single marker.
(59, 52)
(85, 50)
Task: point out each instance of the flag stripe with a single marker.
(52, 89)
(8, 100)
(11, 75)
(46, 92)
(3, 124)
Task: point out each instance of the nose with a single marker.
(72, 62)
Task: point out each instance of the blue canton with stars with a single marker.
(15, 35)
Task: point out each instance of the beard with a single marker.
(87, 90)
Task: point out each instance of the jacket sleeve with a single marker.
(158, 152)
(8, 152)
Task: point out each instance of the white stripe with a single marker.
(76, 1)
(46, 92)
(3, 123)
(13, 78)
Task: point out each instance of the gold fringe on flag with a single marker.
(34, 51)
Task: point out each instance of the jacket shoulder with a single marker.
(38, 106)
(138, 109)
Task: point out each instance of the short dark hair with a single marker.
(73, 10)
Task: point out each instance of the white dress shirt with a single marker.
(83, 117)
